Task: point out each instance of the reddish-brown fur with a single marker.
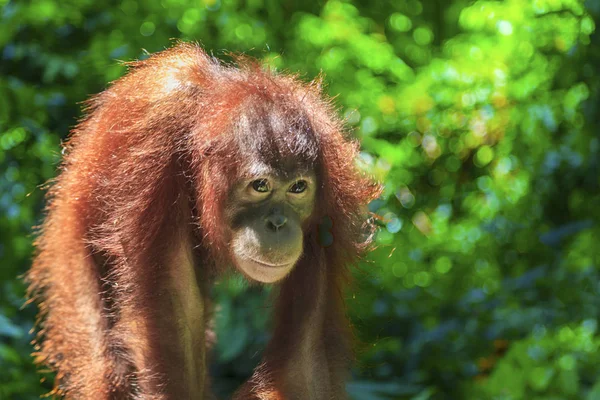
(134, 235)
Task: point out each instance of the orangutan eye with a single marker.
(298, 187)
(261, 185)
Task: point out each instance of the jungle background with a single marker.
(482, 120)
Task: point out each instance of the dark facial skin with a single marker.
(266, 212)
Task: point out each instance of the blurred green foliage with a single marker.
(480, 117)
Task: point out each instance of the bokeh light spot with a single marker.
(422, 278)
(400, 22)
(243, 32)
(423, 36)
(147, 28)
(484, 156)
(443, 265)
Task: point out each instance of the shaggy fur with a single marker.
(134, 234)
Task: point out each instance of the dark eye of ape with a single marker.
(298, 187)
(261, 185)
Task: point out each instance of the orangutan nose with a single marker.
(276, 221)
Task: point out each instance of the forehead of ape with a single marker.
(275, 138)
